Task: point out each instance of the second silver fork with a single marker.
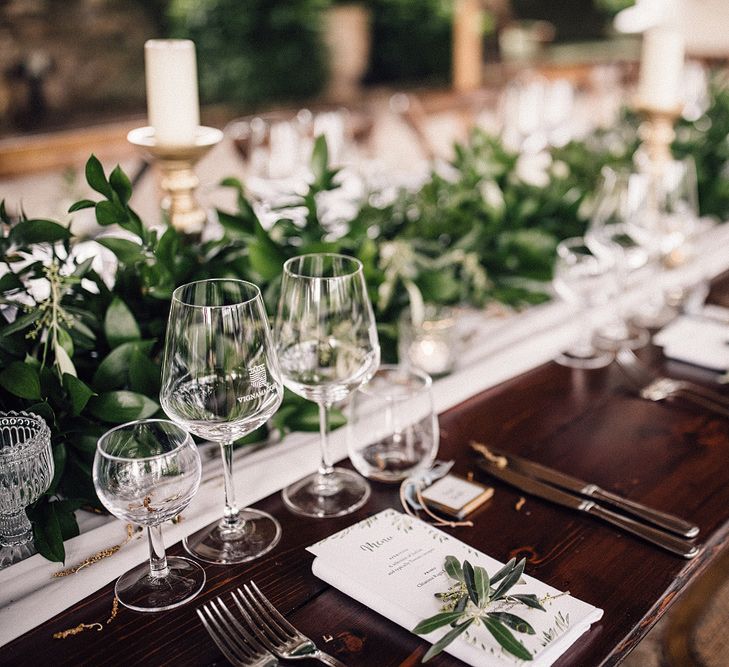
(274, 631)
(655, 387)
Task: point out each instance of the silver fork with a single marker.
(274, 631)
(235, 642)
(655, 387)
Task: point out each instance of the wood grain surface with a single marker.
(670, 456)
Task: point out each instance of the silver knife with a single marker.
(565, 481)
(533, 486)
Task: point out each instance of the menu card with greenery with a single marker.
(411, 572)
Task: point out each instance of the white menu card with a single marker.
(393, 563)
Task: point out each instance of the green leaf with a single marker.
(44, 410)
(144, 374)
(512, 621)
(481, 583)
(21, 380)
(503, 571)
(126, 251)
(10, 282)
(66, 514)
(63, 361)
(59, 465)
(78, 392)
(118, 407)
(529, 599)
(438, 621)
(47, 534)
(121, 184)
(38, 231)
(507, 641)
(510, 579)
(110, 213)
(96, 179)
(438, 647)
(265, 258)
(21, 323)
(81, 204)
(453, 568)
(119, 324)
(113, 370)
(235, 225)
(320, 159)
(469, 576)
(65, 341)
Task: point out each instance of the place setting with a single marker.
(475, 414)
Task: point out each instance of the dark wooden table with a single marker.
(670, 456)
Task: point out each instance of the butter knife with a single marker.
(569, 483)
(533, 486)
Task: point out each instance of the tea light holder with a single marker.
(431, 344)
(178, 179)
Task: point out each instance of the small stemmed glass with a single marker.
(609, 234)
(146, 472)
(221, 380)
(327, 345)
(583, 279)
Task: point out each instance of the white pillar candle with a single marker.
(172, 102)
(661, 69)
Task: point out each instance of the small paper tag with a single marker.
(456, 496)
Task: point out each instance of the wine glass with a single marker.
(609, 234)
(26, 471)
(584, 279)
(327, 345)
(221, 380)
(665, 197)
(392, 428)
(146, 472)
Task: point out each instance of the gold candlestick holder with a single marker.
(178, 179)
(656, 131)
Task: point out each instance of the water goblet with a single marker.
(26, 471)
(583, 279)
(221, 380)
(146, 472)
(609, 234)
(392, 428)
(327, 345)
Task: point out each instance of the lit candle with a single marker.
(431, 355)
(661, 69)
(172, 101)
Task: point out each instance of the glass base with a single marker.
(584, 358)
(614, 337)
(336, 494)
(139, 591)
(257, 534)
(9, 555)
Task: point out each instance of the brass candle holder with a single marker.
(656, 131)
(178, 179)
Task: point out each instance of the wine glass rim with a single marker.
(187, 440)
(178, 291)
(405, 370)
(296, 274)
(30, 446)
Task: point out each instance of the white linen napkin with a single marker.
(393, 564)
(696, 340)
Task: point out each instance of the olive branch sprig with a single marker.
(470, 602)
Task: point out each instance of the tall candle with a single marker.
(661, 69)
(172, 102)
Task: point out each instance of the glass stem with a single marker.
(231, 517)
(325, 467)
(157, 559)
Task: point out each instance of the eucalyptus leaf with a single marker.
(507, 641)
(21, 380)
(438, 647)
(118, 407)
(119, 324)
(512, 621)
(437, 621)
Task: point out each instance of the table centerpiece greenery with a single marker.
(80, 346)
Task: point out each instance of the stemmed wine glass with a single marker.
(221, 380)
(327, 346)
(609, 234)
(147, 472)
(584, 279)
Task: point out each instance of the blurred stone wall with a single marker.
(70, 62)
